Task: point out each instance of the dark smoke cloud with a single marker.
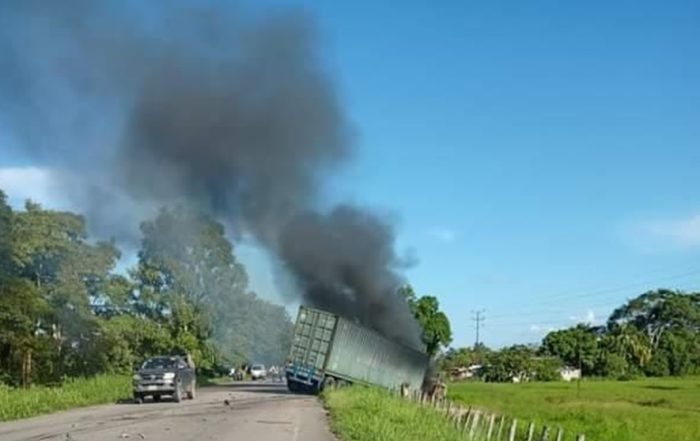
(231, 113)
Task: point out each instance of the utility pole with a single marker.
(479, 320)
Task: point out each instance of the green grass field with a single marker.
(363, 414)
(643, 410)
(23, 403)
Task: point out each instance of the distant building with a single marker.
(465, 373)
(569, 373)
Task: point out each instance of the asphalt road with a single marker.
(256, 412)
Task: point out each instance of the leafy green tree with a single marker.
(573, 346)
(656, 312)
(434, 323)
(512, 363)
(547, 369)
(5, 238)
(189, 279)
(462, 357)
(50, 251)
(612, 365)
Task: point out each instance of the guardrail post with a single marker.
(545, 434)
(560, 434)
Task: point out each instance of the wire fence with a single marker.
(481, 425)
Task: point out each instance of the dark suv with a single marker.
(160, 376)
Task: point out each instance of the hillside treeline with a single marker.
(656, 334)
(66, 312)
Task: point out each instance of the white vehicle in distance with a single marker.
(258, 372)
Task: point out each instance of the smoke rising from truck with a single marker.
(230, 112)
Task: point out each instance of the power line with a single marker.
(593, 294)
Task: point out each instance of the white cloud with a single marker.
(541, 329)
(35, 183)
(442, 234)
(682, 232)
(589, 317)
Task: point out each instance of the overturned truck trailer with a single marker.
(329, 350)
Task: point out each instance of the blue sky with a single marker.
(540, 159)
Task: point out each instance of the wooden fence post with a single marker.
(456, 415)
(467, 420)
(530, 431)
(489, 432)
(560, 434)
(475, 423)
(513, 428)
(501, 423)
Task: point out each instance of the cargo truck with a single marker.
(330, 350)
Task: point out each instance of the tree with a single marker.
(434, 323)
(51, 253)
(5, 235)
(514, 363)
(656, 312)
(547, 369)
(462, 357)
(189, 279)
(573, 346)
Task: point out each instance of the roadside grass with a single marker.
(24, 403)
(640, 410)
(367, 414)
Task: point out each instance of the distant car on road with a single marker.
(258, 372)
(165, 376)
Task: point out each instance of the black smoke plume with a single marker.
(231, 112)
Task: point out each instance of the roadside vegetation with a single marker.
(656, 334)
(368, 414)
(66, 312)
(23, 403)
(605, 410)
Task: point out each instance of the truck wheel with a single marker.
(138, 399)
(191, 392)
(292, 386)
(156, 398)
(328, 383)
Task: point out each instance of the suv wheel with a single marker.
(177, 396)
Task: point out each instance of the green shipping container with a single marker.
(327, 348)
